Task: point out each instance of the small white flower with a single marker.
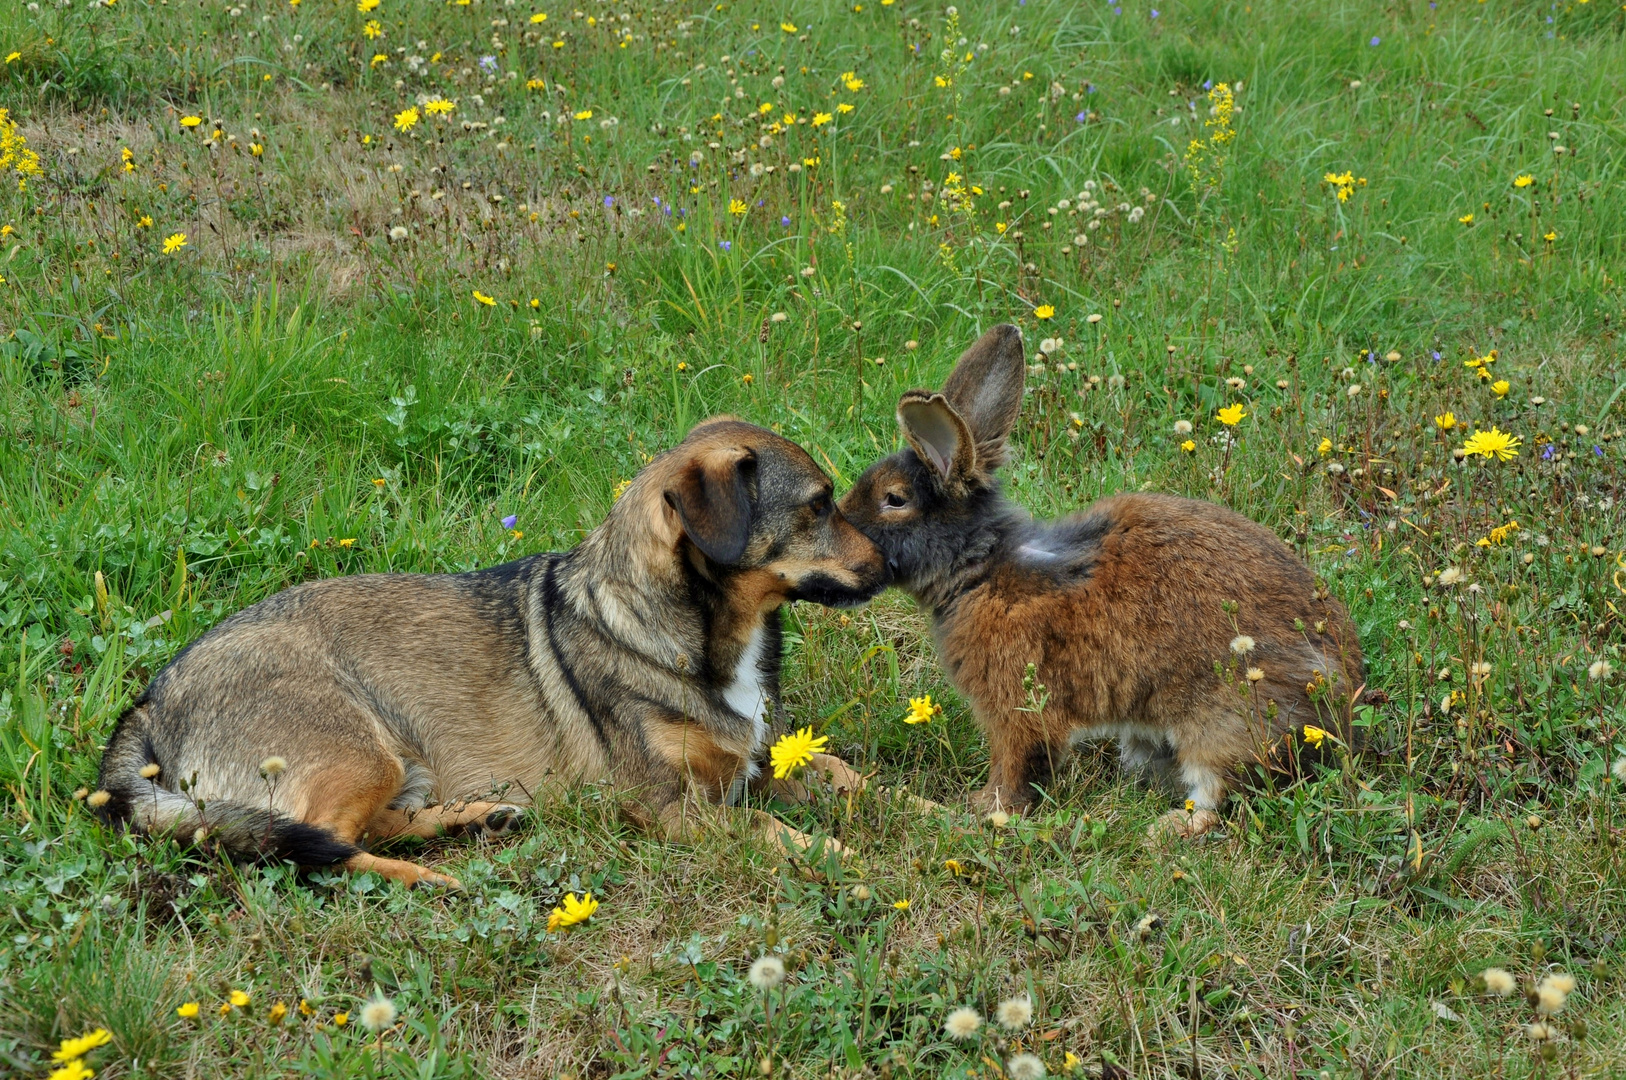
(1599, 670)
(1481, 669)
(1450, 576)
(1242, 644)
(767, 972)
(1618, 768)
(1255, 674)
(1182, 427)
(273, 766)
(962, 1023)
(1355, 389)
(399, 232)
(1015, 1013)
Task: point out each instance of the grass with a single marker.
(295, 393)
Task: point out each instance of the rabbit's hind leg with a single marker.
(1202, 769)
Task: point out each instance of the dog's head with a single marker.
(747, 506)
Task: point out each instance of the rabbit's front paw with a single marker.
(998, 799)
(1185, 824)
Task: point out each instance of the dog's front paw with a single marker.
(1183, 824)
(503, 821)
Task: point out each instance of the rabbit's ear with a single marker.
(937, 434)
(986, 389)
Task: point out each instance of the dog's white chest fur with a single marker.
(747, 696)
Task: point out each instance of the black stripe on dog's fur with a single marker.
(551, 600)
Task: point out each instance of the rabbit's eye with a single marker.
(893, 500)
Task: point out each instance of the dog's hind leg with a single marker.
(348, 795)
(489, 819)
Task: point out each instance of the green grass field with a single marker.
(390, 325)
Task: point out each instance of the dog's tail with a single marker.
(136, 791)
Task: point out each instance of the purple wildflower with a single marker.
(1374, 42)
(609, 201)
(489, 63)
(508, 522)
(725, 245)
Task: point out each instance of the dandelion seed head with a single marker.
(1242, 644)
(962, 1023)
(1561, 981)
(273, 766)
(767, 972)
(1182, 427)
(1498, 981)
(1599, 670)
(1014, 1013)
(378, 1014)
(1549, 999)
(1025, 1066)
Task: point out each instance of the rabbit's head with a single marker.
(934, 501)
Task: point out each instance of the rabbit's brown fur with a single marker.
(1122, 609)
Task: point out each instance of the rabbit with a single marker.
(1192, 634)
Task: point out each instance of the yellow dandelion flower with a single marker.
(540, 17)
(1549, 236)
(737, 207)
(364, 6)
(1446, 421)
(406, 119)
(191, 121)
(73, 1070)
(1044, 311)
(380, 59)
(921, 710)
(1466, 219)
(1523, 180)
(788, 27)
(372, 28)
(572, 912)
(341, 1019)
(820, 119)
(174, 242)
(439, 107)
(84, 1044)
(1493, 443)
(1189, 446)
(901, 905)
(187, 1010)
(1325, 448)
(843, 108)
(1500, 387)
(239, 999)
(794, 750)
(585, 114)
(851, 81)
(1231, 415)
(1313, 735)
(482, 298)
(535, 84)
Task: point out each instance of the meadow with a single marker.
(298, 288)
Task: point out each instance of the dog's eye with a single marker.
(820, 506)
(893, 500)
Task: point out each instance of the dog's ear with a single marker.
(938, 435)
(712, 494)
(986, 389)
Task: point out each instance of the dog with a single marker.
(343, 712)
(1194, 635)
